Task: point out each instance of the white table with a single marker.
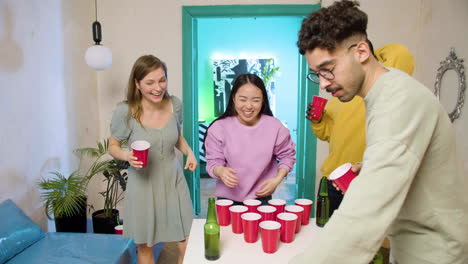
(235, 250)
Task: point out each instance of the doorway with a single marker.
(198, 76)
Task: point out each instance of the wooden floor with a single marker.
(168, 254)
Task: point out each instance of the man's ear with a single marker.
(363, 51)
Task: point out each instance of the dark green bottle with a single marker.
(211, 232)
(323, 203)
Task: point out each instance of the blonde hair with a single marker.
(142, 66)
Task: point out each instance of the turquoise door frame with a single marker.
(306, 145)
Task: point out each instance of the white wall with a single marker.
(48, 95)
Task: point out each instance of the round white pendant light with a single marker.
(98, 56)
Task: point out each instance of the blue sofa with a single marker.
(22, 241)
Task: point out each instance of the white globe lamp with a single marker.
(98, 57)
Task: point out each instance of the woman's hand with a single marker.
(133, 160)
(191, 163)
(269, 186)
(227, 175)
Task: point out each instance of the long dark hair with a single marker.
(230, 108)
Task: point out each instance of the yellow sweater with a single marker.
(343, 125)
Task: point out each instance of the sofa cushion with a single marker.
(17, 231)
(78, 248)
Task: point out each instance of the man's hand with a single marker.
(356, 168)
(309, 112)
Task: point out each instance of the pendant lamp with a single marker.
(98, 56)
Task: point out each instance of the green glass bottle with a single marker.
(323, 203)
(211, 232)
(378, 258)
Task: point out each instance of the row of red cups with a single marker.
(275, 219)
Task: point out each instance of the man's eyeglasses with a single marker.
(327, 74)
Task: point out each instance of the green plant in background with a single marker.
(269, 72)
(63, 197)
(112, 170)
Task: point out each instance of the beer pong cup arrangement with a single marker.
(236, 221)
(250, 225)
(267, 212)
(222, 209)
(279, 204)
(140, 150)
(118, 229)
(288, 223)
(318, 103)
(342, 176)
(297, 210)
(275, 222)
(270, 235)
(307, 205)
(252, 204)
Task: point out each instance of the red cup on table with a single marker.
(252, 204)
(297, 210)
(222, 208)
(270, 231)
(236, 220)
(288, 223)
(140, 150)
(267, 212)
(307, 205)
(250, 223)
(279, 204)
(318, 104)
(343, 176)
(118, 229)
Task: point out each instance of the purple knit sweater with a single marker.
(252, 151)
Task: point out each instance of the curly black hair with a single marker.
(329, 26)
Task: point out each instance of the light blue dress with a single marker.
(157, 200)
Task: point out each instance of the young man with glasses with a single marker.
(410, 185)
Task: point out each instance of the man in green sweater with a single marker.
(410, 186)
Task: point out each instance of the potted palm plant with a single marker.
(115, 179)
(65, 200)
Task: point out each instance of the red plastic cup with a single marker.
(236, 221)
(222, 208)
(252, 204)
(342, 176)
(307, 205)
(118, 229)
(267, 212)
(270, 235)
(288, 223)
(318, 103)
(279, 204)
(250, 225)
(140, 150)
(297, 210)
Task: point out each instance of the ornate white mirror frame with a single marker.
(452, 63)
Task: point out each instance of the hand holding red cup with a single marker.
(342, 176)
(316, 108)
(140, 150)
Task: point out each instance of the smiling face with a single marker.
(153, 86)
(347, 71)
(248, 103)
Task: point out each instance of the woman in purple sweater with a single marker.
(248, 149)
